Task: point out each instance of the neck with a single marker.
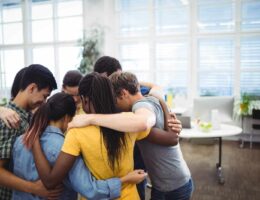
(138, 96)
(21, 101)
(57, 124)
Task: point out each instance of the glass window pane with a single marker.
(216, 54)
(216, 16)
(13, 62)
(250, 65)
(41, 11)
(13, 33)
(172, 56)
(135, 56)
(134, 23)
(42, 31)
(1, 35)
(44, 56)
(176, 80)
(124, 5)
(250, 82)
(70, 28)
(216, 67)
(70, 8)
(171, 3)
(250, 15)
(12, 14)
(69, 59)
(172, 20)
(215, 83)
(250, 53)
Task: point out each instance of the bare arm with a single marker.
(168, 136)
(10, 117)
(162, 137)
(51, 177)
(125, 122)
(9, 180)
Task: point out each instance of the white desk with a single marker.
(224, 131)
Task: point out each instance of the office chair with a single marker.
(255, 124)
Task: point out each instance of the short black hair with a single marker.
(16, 86)
(72, 78)
(39, 75)
(107, 64)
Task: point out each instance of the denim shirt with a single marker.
(79, 178)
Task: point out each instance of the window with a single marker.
(216, 16)
(216, 67)
(11, 22)
(250, 15)
(52, 31)
(195, 48)
(250, 65)
(172, 65)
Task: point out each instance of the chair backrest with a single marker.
(256, 119)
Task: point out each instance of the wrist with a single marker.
(123, 179)
(92, 120)
(29, 187)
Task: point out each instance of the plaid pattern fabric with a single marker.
(7, 138)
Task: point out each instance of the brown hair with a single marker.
(124, 80)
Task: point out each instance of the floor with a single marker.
(241, 170)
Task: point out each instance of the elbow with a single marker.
(143, 126)
(49, 185)
(174, 142)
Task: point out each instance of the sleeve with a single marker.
(143, 104)
(7, 138)
(81, 180)
(143, 134)
(71, 144)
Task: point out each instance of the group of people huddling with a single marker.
(87, 139)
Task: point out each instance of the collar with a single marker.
(22, 112)
(53, 129)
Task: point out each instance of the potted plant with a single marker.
(245, 104)
(91, 43)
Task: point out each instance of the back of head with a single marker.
(100, 93)
(16, 86)
(124, 80)
(72, 78)
(39, 75)
(107, 64)
(58, 106)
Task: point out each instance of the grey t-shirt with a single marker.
(166, 167)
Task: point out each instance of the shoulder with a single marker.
(147, 102)
(79, 132)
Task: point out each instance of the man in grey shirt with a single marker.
(168, 171)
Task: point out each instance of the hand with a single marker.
(10, 117)
(134, 177)
(80, 121)
(174, 124)
(40, 190)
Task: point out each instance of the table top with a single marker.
(224, 131)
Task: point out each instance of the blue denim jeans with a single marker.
(182, 193)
